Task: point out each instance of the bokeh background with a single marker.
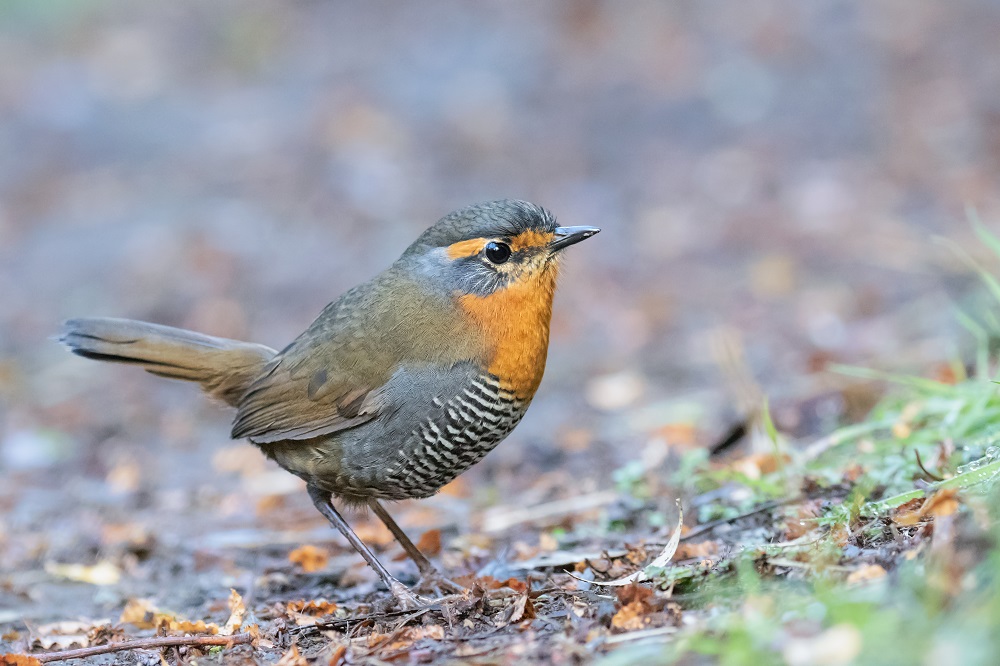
(770, 178)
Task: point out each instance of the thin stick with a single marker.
(920, 463)
(144, 644)
(708, 527)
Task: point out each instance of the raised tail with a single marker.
(224, 368)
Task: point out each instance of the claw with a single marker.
(407, 598)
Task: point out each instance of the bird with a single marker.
(399, 385)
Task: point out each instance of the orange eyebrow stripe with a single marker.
(530, 239)
(465, 248)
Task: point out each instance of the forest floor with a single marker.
(765, 335)
(873, 542)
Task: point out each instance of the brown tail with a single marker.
(224, 368)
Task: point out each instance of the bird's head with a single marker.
(496, 264)
(488, 248)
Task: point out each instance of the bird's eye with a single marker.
(498, 253)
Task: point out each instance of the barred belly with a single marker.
(457, 435)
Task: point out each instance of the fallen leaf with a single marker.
(292, 658)
(682, 434)
(701, 551)
(758, 464)
(310, 558)
(18, 660)
(802, 520)
(634, 594)
(839, 534)
(237, 610)
(411, 635)
(853, 472)
(102, 573)
(67, 634)
(188, 626)
(636, 610)
(867, 573)
(429, 544)
(305, 613)
(662, 560)
(491, 583)
(314, 607)
(139, 612)
(631, 617)
(942, 503)
(338, 656)
(143, 614)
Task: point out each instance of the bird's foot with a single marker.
(407, 598)
(431, 580)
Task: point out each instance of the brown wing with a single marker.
(289, 402)
(316, 386)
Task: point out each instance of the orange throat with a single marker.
(515, 323)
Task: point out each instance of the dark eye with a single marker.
(498, 253)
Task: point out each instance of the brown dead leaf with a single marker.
(139, 612)
(237, 611)
(801, 521)
(18, 660)
(757, 465)
(661, 560)
(491, 583)
(867, 573)
(522, 609)
(189, 627)
(701, 551)
(411, 635)
(839, 534)
(853, 472)
(682, 434)
(942, 503)
(310, 558)
(143, 614)
(313, 607)
(636, 608)
(429, 544)
(68, 633)
(634, 594)
(304, 613)
(338, 656)
(292, 658)
(632, 617)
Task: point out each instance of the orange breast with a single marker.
(515, 324)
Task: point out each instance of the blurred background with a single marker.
(770, 178)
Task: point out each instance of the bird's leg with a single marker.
(407, 599)
(428, 572)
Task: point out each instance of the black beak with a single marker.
(566, 236)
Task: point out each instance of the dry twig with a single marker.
(145, 644)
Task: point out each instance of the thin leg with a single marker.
(423, 564)
(321, 500)
(429, 574)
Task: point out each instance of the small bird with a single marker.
(401, 384)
